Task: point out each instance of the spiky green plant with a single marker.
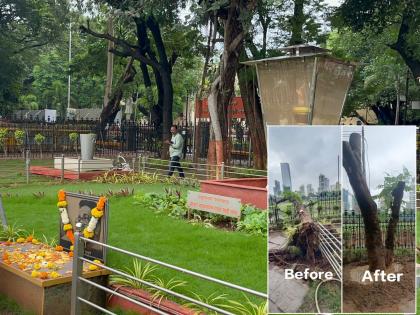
(11, 232)
(214, 299)
(170, 284)
(140, 270)
(247, 308)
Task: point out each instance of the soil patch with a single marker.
(385, 297)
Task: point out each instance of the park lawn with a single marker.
(235, 257)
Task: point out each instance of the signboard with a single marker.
(235, 110)
(227, 206)
(79, 208)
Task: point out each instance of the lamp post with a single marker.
(307, 86)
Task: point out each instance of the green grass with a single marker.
(235, 257)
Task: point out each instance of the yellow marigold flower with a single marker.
(21, 240)
(97, 213)
(71, 247)
(93, 267)
(37, 266)
(62, 204)
(50, 265)
(67, 227)
(54, 275)
(35, 274)
(87, 234)
(97, 261)
(35, 241)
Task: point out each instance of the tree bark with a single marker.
(297, 21)
(353, 166)
(111, 109)
(253, 114)
(165, 75)
(403, 47)
(110, 63)
(397, 194)
(307, 236)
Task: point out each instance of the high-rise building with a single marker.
(276, 188)
(412, 196)
(302, 190)
(309, 189)
(346, 200)
(355, 205)
(324, 183)
(285, 176)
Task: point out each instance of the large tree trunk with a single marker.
(397, 194)
(253, 113)
(297, 21)
(353, 166)
(307, 236)
(165, 72)
(111, 109)
(404, 46)
(110, 64)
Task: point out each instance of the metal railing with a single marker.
(73, 168)
(331, 248)
(77, 280)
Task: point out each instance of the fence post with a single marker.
(75, 308)
(222, 171)
(78, 167)
(144, 163)
(140, 161)
(62, 167)
(133, 162)
(27, 165)
(2, 214)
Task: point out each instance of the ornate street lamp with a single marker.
(307, 86)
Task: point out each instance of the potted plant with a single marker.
(39, 140)
(145, 294)
(4, 132)
(20, 138)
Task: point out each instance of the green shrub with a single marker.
(253, 220)
(19, 136)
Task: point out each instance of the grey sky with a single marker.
(389, 148)
(310, 151)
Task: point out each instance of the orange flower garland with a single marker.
(96, 213)
(62, 207)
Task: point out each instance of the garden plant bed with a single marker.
(168, 306)
(380, 297)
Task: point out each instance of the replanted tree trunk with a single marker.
(353, 166)
(397, 195)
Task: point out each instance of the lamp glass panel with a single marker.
(332, 83)
(285, 90)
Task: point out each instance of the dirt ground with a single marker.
(380, 297)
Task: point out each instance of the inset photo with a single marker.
(305, 219)
(379, 203)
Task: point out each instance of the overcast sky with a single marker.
(389, 148)
(309, 150)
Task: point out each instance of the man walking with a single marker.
(175, 151)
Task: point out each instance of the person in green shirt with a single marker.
(176, 144)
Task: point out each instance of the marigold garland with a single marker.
(65, 220)
(96, 213)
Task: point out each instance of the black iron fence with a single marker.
(46, 140)
(354, 230)
(321, 206)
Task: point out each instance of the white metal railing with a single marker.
(77, 280)
(331, 246)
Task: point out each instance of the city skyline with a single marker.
(309, 151)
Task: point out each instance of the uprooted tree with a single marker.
(380, 254)
(305, 237)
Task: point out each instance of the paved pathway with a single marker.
(286, 296)
(276, 241)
